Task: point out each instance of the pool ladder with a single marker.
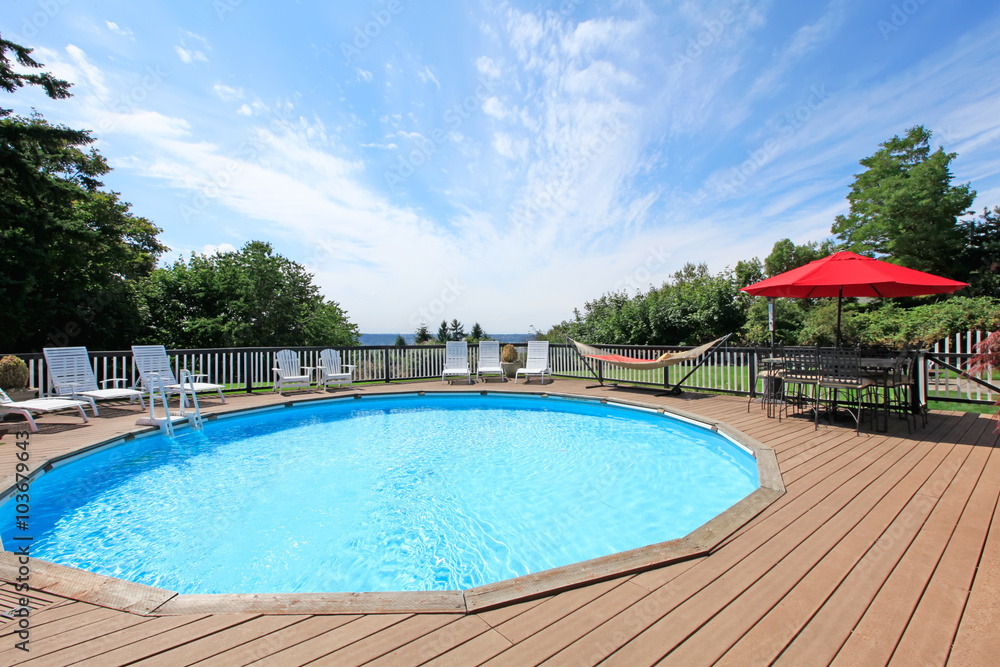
(166, 422)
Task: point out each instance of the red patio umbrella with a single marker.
(847, 274)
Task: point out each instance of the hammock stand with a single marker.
(664, 361)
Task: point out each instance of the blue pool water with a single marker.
(380, 494)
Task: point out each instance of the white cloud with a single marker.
(364, 75)
(426, 75)
(227, 93)
(124, 32)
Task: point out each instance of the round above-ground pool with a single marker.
(394, 493)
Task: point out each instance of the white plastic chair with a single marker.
(489, 359)
(537, 362)
(72, 375)
(151, 359)
(456, 361)
(332, 372)
(289, 372)
(25, 408)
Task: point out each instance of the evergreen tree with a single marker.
(904, 206)
(456, 330)
(422, 335)
(477, 333)
(442, 335)
(400, 341)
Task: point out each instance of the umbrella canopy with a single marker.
(847, 274)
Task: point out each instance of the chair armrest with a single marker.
(350, 368)
(104, 383)
(57, 388)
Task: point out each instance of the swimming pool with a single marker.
(411, 493)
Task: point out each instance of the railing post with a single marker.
(385, 364)
(246, 372)
(753, 374)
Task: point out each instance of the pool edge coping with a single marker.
(144, 600)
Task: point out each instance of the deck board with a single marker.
(885, 546)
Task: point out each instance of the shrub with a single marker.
(13, 373)
(509, 355)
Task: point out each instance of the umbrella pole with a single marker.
(770, 320)
(840, 297)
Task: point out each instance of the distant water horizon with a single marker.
(390, 338)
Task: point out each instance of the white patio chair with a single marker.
(456, 361)
(290, 372)
(537, 362)
(489, 359)
(332, 372)
(72, 375)
(25, 408)
(151, 359)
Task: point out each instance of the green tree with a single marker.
(982, 253)
(477, 334)
(247, 298)
(422, 335)
(71, 252)
(442, 335)
(903, 205)
(400, 341)
(786, 256)
(456, 330)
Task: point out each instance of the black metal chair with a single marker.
(901, 383)
(799, 373)
(768, 375)
(840, 371)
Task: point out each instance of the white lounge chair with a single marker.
(72, 375)
(332, 372)
(537, 362)
(25, 408)
(150, 359)
(489, 359)
(290, 372)
(456, 361)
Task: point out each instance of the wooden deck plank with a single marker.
(271, 643)
(875, 637)
(826, 632)
(434, 643)
(71, 639)
(46, 631)
(107, 642)
(779, 626)
(332, 640)
(476, 651)
(221, 641)
(557, 636)
(978, 641)
(164, 641)
(759, 582)
(373, 647)
(554, 608)
(931, 630)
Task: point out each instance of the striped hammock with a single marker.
(668, 359)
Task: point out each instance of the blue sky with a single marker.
(504, 162)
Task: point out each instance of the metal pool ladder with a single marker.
(166, 422)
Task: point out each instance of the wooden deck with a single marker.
(884, 550)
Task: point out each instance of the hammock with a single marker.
(668, 359)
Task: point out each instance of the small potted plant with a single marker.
(509, 360)
(14, 378)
